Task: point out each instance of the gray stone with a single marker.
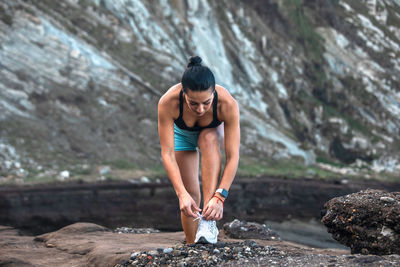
(176, 252)
(237, 249)
(134, 255)
(387, 199)
(153, 253)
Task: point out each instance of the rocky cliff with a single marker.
(317, 81)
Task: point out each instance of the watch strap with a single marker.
(223, 192)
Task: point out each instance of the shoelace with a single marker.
(198, 218)
(205, 223)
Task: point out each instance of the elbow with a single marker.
(167, 155)
(234, 157)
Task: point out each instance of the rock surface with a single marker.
(87, 244)
(367, 221)
(80, 80)
(80, 244)
(44, 208)
(242, 229)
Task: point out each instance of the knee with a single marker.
(208, 138)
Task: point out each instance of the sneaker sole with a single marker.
(203, 240)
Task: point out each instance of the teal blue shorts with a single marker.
(185, 140)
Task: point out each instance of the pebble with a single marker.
(232, 254)
(134, 255)
(153, 253)
(193, 252)
(252, 244)
(387, 199)
(167, 250)
(176, 253)
(198, 255)
(214, 259)
(127, 230)
(237, 250)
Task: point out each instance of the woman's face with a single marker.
(199, 101)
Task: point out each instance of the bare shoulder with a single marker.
(170, 95)
(227, 105)
(168, 105)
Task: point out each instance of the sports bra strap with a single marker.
(181, 123)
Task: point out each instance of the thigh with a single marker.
(188, 163)
(221, 136)
(212, 137)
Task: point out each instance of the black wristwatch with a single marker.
(223, 192)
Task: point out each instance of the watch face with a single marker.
(223, 192)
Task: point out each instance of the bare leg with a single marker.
(209, 144)
(188, 163)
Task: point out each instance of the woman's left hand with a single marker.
(214, 210)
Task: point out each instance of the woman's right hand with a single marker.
(188, 206)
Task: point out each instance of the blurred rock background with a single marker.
(317, 82)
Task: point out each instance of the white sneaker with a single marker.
(207, 232)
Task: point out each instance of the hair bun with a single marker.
(194, 61)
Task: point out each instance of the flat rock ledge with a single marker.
(87, 244)
(368, 221)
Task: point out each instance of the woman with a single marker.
(197, 113)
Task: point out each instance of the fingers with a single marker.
(206, 211)
(218, 215)
(213, 211)
(195, 207)
(188, 212)
(188, 206)
(212, 215)
(186, 209)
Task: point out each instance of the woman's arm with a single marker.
(230, 113)
(166, 133)
(232, 143)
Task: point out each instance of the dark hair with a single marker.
(197, 77)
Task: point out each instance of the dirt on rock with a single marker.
(366, 221)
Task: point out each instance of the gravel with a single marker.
(127, 230)
(250, 253)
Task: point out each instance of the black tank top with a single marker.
(181, 123)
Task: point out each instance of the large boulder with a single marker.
(368, 221)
